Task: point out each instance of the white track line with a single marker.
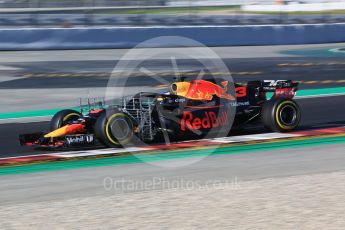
(222, 140)
(6, 67)
(97, 152)
(253, 137)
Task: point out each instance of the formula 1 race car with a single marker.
(193, 109)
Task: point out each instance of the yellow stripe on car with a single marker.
(57, 133)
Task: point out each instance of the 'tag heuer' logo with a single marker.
(209, 120)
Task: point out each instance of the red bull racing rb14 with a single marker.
(190, 110)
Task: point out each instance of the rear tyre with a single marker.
(281, 115)
(114, 129)
(63, 117)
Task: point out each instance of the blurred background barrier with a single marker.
(76, 13)
(77, 24)
(81, 3)
(68, 20)
(128, 37)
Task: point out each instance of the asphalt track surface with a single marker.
(62, 185)
(69, 74)
(88, 182)
(317, 113)
(53, 75)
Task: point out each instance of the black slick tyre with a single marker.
(281, 115)
(62, 117)
(114, 129)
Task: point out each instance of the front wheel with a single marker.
(281, 115)
(63, 117)
(114, 129)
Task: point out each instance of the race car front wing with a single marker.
(38, 140)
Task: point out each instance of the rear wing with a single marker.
(280, 88)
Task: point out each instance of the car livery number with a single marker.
(241, 91)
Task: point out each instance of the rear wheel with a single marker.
(281, 115)
(63, 117)
(114, 129)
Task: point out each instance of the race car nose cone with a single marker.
(180, 88)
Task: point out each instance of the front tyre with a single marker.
(114, 129)
(63, 117)
(281, 115)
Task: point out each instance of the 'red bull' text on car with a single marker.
(192, 109)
